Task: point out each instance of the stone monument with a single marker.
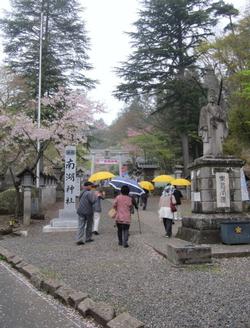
(68, 219)
(216, 178)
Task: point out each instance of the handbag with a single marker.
(172, 206)
(112, 213)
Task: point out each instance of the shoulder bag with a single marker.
(172, 205)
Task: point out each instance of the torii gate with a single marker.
(107, 159)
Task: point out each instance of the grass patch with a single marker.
(214, 268)
(2, 258)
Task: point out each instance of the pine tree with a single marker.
(167, 34)
(65, 43)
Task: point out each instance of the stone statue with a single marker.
(213, 127)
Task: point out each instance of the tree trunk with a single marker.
(18, 209)
(185, 153)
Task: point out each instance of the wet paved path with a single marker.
(22, 306)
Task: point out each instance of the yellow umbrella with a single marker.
(180, 182)
(101, 175)
(146, 185)
(163, 178)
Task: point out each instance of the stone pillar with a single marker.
(26, 205)
(120, 164)
(68, 219)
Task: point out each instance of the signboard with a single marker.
(107, 161)
(70, 178)
(196, 196)
(222, 189)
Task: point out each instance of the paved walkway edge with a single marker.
(103, 313)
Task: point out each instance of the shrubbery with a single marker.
(8, 201)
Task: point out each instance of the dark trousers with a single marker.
(144, 202)
(168, 226)
(85, 224)
(122, 232)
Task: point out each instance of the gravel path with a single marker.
(138, 279)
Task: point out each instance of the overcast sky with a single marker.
(106, 22)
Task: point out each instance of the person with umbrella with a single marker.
(123, 204)
(97, 208)
(165, 212)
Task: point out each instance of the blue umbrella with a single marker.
(118, 182)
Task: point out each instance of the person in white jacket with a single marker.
(165, 211)
(97, 211)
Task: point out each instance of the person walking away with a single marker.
(165, 212)
(144, 199)
(178, 196)
(97, 210)
(123, 204)
(85, 213)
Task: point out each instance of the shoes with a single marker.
(96, 233)
(80, 243)
(89, 240)
(166, 236)
(126, 246)
(120, 244)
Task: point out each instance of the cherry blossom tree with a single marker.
(68, 118)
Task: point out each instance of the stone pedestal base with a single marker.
(181, 252)
(205, 228)
(67, 221)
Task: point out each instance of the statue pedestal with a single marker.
(216, 198)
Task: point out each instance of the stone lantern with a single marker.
(27, 179)
(178, 170)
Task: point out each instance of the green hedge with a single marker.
(8, 201)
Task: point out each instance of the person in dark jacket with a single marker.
(144, 199)
(85, 214)
(178, 196)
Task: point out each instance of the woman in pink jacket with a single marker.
(123, 204)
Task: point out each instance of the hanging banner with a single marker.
(106, 161)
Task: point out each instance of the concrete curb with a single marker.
(103, 313)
